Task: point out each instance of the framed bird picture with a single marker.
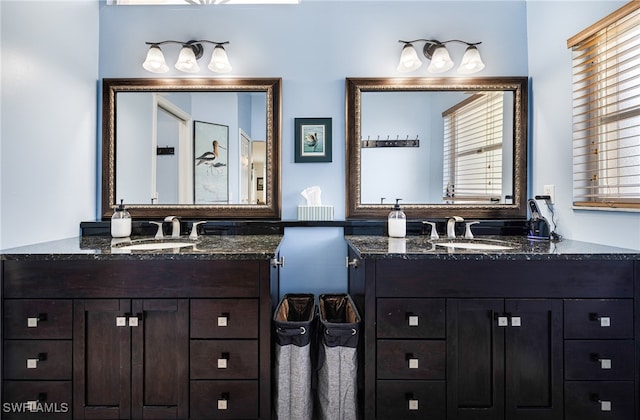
(312, 139)
(210, 170)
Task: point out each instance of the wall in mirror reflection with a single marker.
(147, 121)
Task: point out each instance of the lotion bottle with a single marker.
(120, 222)
(397, 222)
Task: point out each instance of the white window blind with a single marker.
(606, 111)
(473, 133)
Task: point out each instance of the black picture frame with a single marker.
(312, 140)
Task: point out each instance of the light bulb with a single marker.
(219, 61)
(155, 61)
(440, 60)
(187, 61)
(409, 60)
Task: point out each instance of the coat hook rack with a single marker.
(388, 142)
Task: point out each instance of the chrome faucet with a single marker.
(451, 226)
(175, 226)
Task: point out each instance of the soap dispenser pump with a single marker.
(397, 222)
(120, 222)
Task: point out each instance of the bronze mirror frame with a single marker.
(272, 185)
(355, 86)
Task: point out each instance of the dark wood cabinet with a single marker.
(496, 339)
(134, 339)
(131, 358)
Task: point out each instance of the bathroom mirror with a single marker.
(444, 146)
(197, 148)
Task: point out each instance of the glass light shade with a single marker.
(440, 60)
(471, 61)
(187, 61)
(155, 61)
(409, 60)
(219, 61)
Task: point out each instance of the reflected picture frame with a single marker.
(312, 140)
(210, 171)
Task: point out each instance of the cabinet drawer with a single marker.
(598, 360)
(37, 359)
(599, 400)
(54, 396)
(46, 319)
(224, 400)
(404, 359)
(224, 318)
(132, 279)
(598, 318)
(224, 359)
(411, 318)
(410, 400)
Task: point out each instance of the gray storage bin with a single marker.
(339, 332)
(294, 321)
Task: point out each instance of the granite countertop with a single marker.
(421, 247)
(207, 247)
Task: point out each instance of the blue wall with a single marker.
(50, 69)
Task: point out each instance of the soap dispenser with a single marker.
(397, 222)
(120, 222)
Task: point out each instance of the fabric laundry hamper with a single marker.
(338, 332)
(295, 327)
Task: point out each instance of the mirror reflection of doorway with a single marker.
(171, 131)
(246, 169)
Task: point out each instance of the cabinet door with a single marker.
(534, 359)
(101, 359)
(475, 359)
(160, 357)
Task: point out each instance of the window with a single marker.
(606, 111)
(473, 133)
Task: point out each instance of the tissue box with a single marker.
(315, 212)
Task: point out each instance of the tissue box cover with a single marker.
(315, 212)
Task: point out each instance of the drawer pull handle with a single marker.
(223, 319)
(223, 361)
(605, 405)
(413, 319)
(32, 322)
(413, 362)
(605, 321)
(32, 405)
(353, 263)
(277, 262)
(413, 403)
(515, 321)
(134, 320)
(604, 362)
(223, 402)
(33, 363)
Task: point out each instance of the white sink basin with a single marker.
(477, 245)
(151, 245)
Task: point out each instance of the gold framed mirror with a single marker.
(409, 138)
(193, 148)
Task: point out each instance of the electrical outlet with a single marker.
(550, 191)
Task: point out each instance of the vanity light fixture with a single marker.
(188, 58)
(436, 51)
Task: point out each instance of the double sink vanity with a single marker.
(532, 330)
(497, 327)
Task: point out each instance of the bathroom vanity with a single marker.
(540, 331)
(92, 331)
